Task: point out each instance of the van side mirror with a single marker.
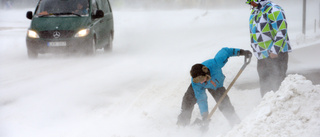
(29, 15)
(99, 14)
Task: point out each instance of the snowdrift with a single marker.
(293, 111)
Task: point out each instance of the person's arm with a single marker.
(201, 97)
(278, 22)
(222, 56)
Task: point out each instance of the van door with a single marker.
(104, 26)
(97, 23)
(108, 17)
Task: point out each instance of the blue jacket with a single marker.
(217, 78)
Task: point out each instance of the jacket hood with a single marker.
(259, 2)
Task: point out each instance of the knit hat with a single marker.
(199, 73)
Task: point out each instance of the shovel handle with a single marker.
(247, 60)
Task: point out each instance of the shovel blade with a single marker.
(204, 127)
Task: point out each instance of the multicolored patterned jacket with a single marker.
(268, 29)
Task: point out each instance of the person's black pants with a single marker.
(189, 100)
(272, 72)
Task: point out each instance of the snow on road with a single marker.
(136, 91)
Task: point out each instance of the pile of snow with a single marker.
(294, 110)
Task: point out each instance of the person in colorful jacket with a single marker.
(208, 75)
(270, 43)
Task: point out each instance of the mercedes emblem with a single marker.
(56, 34)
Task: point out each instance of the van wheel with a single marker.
(91, 49)
(32, 54)
(108, 47)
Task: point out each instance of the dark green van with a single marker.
(70, 26)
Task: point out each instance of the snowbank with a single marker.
(293, 111)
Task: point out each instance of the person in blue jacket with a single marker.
(208, 75)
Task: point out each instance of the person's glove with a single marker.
(246, 53)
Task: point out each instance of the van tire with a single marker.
(109, 45)
(91, 49)
(32, 54)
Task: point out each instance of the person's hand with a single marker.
(272, 55)
(246, 53)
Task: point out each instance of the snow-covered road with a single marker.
(135, 91)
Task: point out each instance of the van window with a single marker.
(94, 6)
(108, 6)
(62, 7)
(105, 6)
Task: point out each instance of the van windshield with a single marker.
(63, 7)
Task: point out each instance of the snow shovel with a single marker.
(246, 62)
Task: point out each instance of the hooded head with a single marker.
(257, 3)
(261, 2)
(200, 73)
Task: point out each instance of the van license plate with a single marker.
(57, 44)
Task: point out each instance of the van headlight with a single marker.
(32, 34)
(82, 33)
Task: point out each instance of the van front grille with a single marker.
(56, 34)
